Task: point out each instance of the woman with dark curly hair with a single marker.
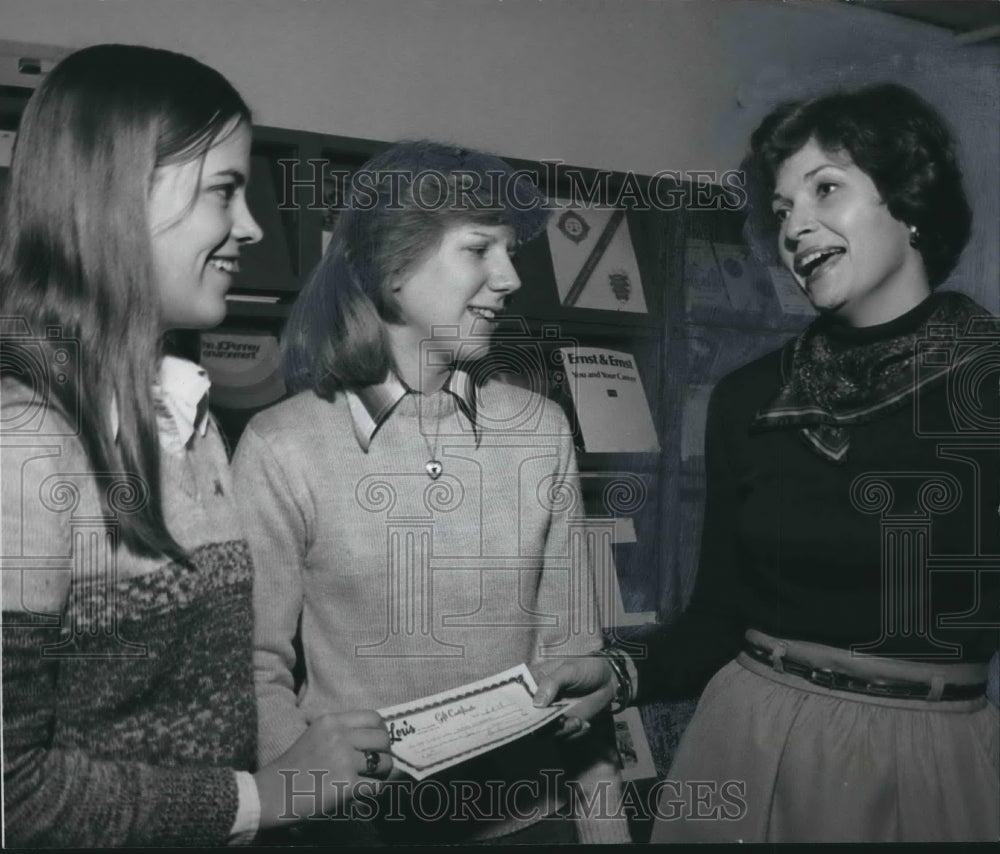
(844, 586)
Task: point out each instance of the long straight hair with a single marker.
(75, 253)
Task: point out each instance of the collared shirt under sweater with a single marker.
(406, 585)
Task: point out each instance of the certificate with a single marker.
(436, 732)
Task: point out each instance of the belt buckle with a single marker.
(881, 688)
(822, 676)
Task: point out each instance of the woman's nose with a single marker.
(504, 278)
(245, 228)
(800, 220)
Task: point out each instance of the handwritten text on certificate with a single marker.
(436, 732)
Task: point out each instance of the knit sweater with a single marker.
(127, 682)
(407, 586)
(794, 544)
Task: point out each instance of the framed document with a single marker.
(593, 258)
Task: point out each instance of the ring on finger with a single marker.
(371, 763)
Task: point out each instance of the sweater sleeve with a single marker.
(681, 657)
(577, 630)
(57, 796)
(276, 530)
(590, 762)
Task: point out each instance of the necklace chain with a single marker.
(433, 466)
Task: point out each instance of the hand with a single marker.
(332, 752)
(589, 677)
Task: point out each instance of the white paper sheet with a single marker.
(436, 732)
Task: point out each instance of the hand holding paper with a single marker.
(433, 733)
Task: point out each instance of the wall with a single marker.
(624, 84)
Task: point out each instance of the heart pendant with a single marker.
(434, 469)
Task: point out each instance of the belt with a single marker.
(827, 678)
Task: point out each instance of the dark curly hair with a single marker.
(895, 137)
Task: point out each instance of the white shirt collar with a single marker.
(371, 406)
(180, 396)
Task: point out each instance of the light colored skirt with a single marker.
(770, 757)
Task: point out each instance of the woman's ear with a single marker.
(389, 310)
(393, 282)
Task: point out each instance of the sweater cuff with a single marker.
(247, 811)
(275, 740)
(604, 828)
(611, 830)
(601, 783)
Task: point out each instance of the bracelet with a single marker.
(623, 694)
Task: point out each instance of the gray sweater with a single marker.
(127, 684)
(407, 586)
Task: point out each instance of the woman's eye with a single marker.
(224, 191)
(781, 214)
(479, 249)
(824, 188)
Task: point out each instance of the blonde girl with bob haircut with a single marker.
(403, 507)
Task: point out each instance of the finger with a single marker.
(546, 692)
(564, 680)
(375, 764)
(369, 739)
(359, 718)
(573, 729)
(583, 729)
(570, 725)
(593, 704)
(555, 685)
(558, 730)
(552, 728)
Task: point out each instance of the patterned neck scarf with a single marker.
(834, 378)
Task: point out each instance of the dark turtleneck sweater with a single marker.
(789, 550)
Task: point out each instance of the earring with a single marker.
(914, 235)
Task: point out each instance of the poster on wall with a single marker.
(611, 405)
(243, 367)
(607, 534)
(593, 258)
(746, 283)
(788, 292)
(703, 286)
(634, 755)
(693, 420)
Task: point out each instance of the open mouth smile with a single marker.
(225, 265)
(807, 264)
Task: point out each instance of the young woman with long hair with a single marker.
(128, 705)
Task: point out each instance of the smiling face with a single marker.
(460, 285)
(849, 255)
(198, 219)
